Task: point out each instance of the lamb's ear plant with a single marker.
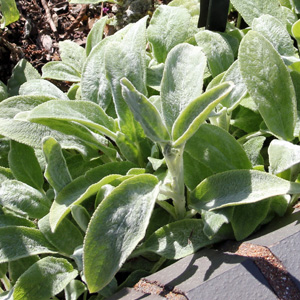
(166, 143)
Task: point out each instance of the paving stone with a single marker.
(244, 281)
(190, 271)
(132, 294)
(287, 251)
(277, 230)
(211, 274)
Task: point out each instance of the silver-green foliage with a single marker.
(171, 139)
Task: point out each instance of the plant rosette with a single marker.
(172, 138)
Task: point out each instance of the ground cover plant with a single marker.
(171, 138)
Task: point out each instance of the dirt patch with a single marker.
(269, 265)
(155, 288)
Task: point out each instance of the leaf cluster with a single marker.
(171, 138)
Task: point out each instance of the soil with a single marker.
(43, 23)
(272, 269)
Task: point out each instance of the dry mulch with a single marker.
(272, 269)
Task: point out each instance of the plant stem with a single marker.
(168, 207)
(239, 21)
(6, 283)
(158, 265)
(249, 136)
(294, 199)
(85, 296)
(174, 161)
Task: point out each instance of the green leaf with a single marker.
(117, 226)
(25, 166)
(233, 40)
(105, 191)
(56, 172)
(119, 64)
(217, 50)
(83, 133)
(168, 27)
(73, 91)
(269, 84)
(65, 200)
(42, 87)
(295, 75)
(136, 151)
(246, 218)
(182, 80)
(95, 87)
(6, 295)
(287, 3)
(253, 148)
(154, 76)
(9, 11)
(72, 54)
(216, 81)
(239, 187)
(83, 187)
(77, 165)
(159, 218)
(22, 72)
(255, 8)
(282, 156)
(5, 173)
(66, 236)
(94, 84)
(289, 17)
(214, 220)
(60, 71)
(44, 279)
(4, 151)
(144, 112)
(194, 171)
(10, 107)
(191, 5)
(296, 31)
(197, 111)
(32, 135)
(217, 149)
(23, 199)
(10, 220)
(246, 119)
(18, 242)
(3, 91)
(3, 270)
(74, 290)
(275, 32)
(95, 35)
(17, 267)
(110, 289)
(83, 112)
(81, 216)
(177, 240)
(239, 90)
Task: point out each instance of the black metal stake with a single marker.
(213, 14)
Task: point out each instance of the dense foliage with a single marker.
(170, 139)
